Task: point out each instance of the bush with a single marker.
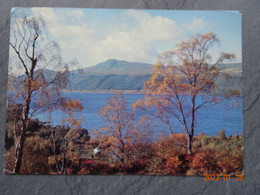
(205, 140)
(200, 136)
(196, 144)
(99, 168)
(137, 166)
(205, 162)
(9, 160)
(173, 165)
(230, 163)
(35, 156)
(221, 134)
(34, 125)
(157, 166)
(192, 172)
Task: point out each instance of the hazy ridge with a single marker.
(122, 75)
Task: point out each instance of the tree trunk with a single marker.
(189, 141)
(25, 122)
(19, 147)
(19, 153)
(190, 134)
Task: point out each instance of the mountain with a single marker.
(111, 75)
(122, 75)
(110, 82)
(113, 66)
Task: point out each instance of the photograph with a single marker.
(124, 92)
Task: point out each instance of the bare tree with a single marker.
(45, 73)
(178, 78)
(62, 136)
(119, 127)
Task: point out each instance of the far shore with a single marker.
(107, 91)
(113, 91)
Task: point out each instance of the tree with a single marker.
(62, 138)
(119, 126)
(121, 139)
(179, 77)
(45, 73)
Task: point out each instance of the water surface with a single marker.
(225, 115)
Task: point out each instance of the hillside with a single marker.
(123, 75)
(121, 67)
(235, 71)
(111, 75)
(109, 82)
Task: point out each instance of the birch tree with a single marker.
(179, 77)
(44, 76)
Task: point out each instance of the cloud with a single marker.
(142, 38)
(55, 16)
(68, 29)
(197, 24)
(137, 42)
(155, 28)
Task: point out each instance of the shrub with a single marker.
(34, 125)
(174, 145)
(156, 166)
(204, 162)
(99, 168)
(136, 167)
(205, 140)
(200, 136)
(9, 160)
(196, 144)
(35, 156)
(173, 165)
(221, 134)
(192, 172)
(230, 163)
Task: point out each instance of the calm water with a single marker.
(209, 120)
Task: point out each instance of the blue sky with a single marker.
(95, 35)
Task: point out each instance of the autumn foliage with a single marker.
(165, 155)
(72, 109)
(120, 139)
(178, 78)
(125, 144)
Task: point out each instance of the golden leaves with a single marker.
(185, 71)
(72, 108)
(173, 164)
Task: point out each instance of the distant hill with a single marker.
(111, 75)
(113, 66)
(122, 75)
(235, 71)
(109, 82)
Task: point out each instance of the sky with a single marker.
(92, 36)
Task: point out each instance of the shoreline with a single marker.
(113, 91)
(109, 91)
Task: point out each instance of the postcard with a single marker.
(124, 92)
